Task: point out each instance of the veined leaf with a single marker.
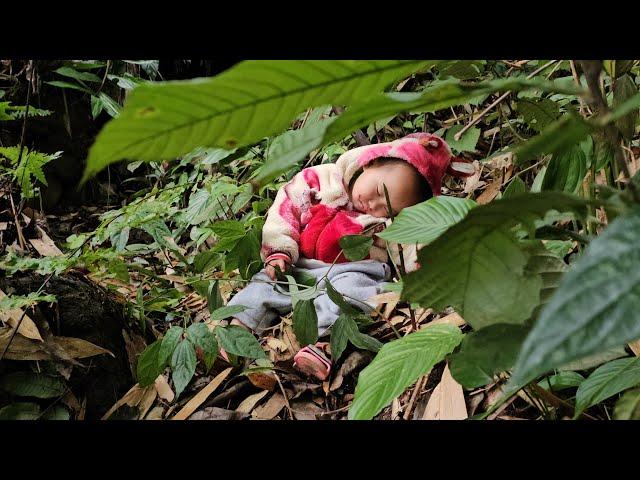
(227, 311)
(72, 73)
(485, 353)
(566, 170)
(355, 247)
(149, 364)
(426, 221)
(183, 365)
(515, 187)
(29, 384)
(200, 335)
(478, 265)
(628, 406)
(538, 113)
(606, 381)
(169, 343)
(240, 106)
(238, 341)
(305, 322)
(398, 364)
(595, 306)
(561, 381)
(467, 142)
(560, 135)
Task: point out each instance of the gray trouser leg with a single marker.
(263, 301)
(358, 280)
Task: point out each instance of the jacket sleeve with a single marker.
(281, 230)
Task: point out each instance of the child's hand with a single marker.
(270, 268)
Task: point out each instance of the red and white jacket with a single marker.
(313, 211)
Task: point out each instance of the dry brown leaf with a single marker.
(22, 348)
(44, 245)
(136, 396)
(504, 160)
(201, 396)
(473, 182)
(155, 414)
(382, 298)
(147, 401)
(277, 345)
(263, 380)
(251, 401)
(447, 400)
(305, 410)
(635, 347)
(451, 319)
(395, 409)
(490, 192)
(164, 389)
(270, 409)
(134, 345)
(27, 328)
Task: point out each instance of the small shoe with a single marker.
(312, 361)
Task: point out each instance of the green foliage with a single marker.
(597, 301)
(515, 187)
(29, 384)
(344, 330)
(607, 380)
(467, 142)
(203, 338)
(28, 166)
(628, 406)
(562, 381)
(482, 250)
(149, 364)
(625, 88)
(566, 170)
(356, 247)
(12, 302)
(183, 365)
(485, 353)
(538, 113)
(426, 221)
(398, 364)
(235, 108)
(305, 322)
(238, 341)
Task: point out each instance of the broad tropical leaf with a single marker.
(240, 106)
(183, 365)
(398, 364)
(606, 381)
(29, 384)
(426, 221)
(628, 406)
(305, 322)
(595, 306)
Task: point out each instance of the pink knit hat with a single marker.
(428, 153)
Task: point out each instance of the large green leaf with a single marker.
(566, 170)
(30, 384)
(149, 364)
(467, 142)
(240, 106)
(305, 322)
(564, 133)
(169, 343)
(426, 221)
(478, 265)
(20, 411)
(485, 353)
(200, 335)
(183, 365)
(606, 381)
(538, 113)
(238, 341)
(562, 381)
(628, 406)
(398, 364)
(595, 306)
(356, 247)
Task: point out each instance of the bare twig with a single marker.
(497, 101)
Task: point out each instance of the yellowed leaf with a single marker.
(635, 347)
(164, 389)
(383, 298)
(155, 414)
(78, 348)
(447, 400)
(27, 328)
(44, 245)
(201, 396)
(270, 409)
(250, 402)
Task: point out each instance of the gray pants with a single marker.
(358, 280)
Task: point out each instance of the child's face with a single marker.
(402, 183)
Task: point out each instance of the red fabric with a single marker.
(320, 238)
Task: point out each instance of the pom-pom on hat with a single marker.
(428, 153)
